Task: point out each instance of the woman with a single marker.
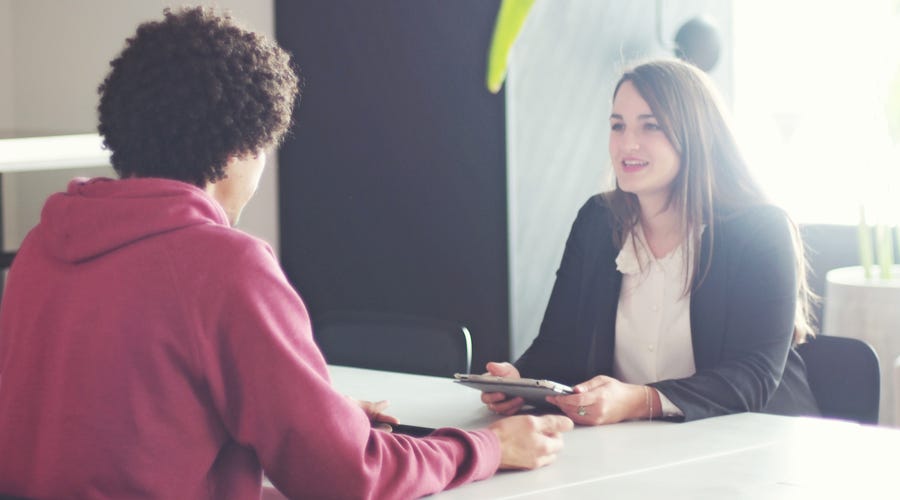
(681, 292)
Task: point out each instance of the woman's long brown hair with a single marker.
(714, 178)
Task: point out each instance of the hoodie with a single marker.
(147, 349)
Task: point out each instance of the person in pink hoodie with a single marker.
(149, 349)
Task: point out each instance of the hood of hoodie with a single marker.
(95, 216)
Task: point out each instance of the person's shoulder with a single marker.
(759, 222)
(224, 235)
(594, 213)
(598, 201)
(762, 213)
(596, 206)
(593, 225)
(222, 243)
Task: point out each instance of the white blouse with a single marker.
(653, 320)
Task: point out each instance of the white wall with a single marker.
(7, 111)
(61, 54)
(6, 68)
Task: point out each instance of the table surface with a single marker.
(752, 456)
(854, 276)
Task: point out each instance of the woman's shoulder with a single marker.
(596, 205)
(759, 213)
(594, 212)
(592, 223)
(761, 221)
(592, 228)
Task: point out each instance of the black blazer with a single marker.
(742, 317)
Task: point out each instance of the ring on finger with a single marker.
(582, 411)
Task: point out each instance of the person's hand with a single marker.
(603, 400)
(496, 401)
(374, 412)
(529, 442)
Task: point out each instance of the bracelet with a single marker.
(649, 404)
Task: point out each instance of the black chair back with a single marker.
(394, 342)
(844, 376)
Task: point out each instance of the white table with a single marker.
(744, 456)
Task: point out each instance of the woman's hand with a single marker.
(497, 401)
(604, 400)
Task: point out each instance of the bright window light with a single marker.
(812, 81)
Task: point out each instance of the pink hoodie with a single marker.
(147, 349)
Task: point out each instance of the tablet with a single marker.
(533, 391)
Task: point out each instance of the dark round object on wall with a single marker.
(698, 42)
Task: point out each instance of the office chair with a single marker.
(394, 342)
(896, 392)
(844, 376)
(828, 246)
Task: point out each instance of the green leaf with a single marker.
(510, 19)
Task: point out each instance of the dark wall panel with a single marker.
(393, 185)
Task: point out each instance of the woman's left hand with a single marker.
(603, 400)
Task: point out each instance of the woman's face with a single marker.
(644, 160)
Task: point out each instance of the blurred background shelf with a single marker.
(30, 154)
(42, 154)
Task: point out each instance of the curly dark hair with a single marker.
(190, 91)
